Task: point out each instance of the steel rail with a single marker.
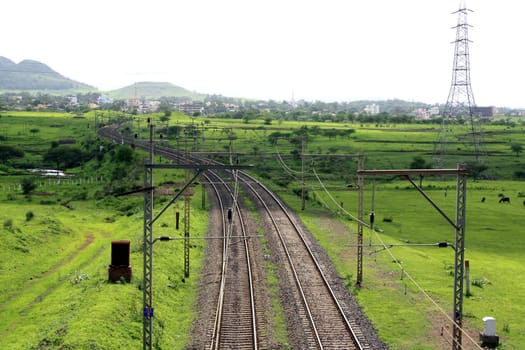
(312, 256)
(216, 344)
(173, 153)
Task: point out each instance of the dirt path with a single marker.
(90, 238)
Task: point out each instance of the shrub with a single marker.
(8, 224)
(29, 216)
(78, 277)
(28, 185)
(480, 282)
(81, 196)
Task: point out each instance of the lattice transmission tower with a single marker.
(460, 106)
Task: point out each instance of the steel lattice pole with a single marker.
(360, 185)
(187, 199)
(459, 266)
(147, 249)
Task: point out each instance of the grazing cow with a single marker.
(504, 200)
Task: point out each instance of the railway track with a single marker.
(316, 317)
(235, 325)
(318, 310)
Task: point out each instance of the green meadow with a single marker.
(56, 242)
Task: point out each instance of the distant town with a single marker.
(235, 107)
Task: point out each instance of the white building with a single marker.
(372, 109)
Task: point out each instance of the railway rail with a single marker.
(316, 313)
(235, 323)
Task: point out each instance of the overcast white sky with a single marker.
(326, 50)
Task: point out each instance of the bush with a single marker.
(81, 196)
(29, 216)
(9, 152)
(8, 224)
(28, 185)
(480, 282)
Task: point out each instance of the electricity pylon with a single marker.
(460, 105)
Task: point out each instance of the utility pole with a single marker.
(148, 246)
(459, 259)
(360, 189)
(187, 200)
(303, 200)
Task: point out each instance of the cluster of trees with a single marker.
(122, 159)
(307, 133)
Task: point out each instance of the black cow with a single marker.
(504, 200)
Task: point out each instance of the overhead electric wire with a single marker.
(289, 170)
(337, 204)
(396, 261)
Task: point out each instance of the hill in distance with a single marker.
(152, 90)
(32, 76)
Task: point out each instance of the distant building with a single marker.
(152, 106)
(133, 104)
(103, 99)
(433, 111)
(422, 113)
(191, 107)
(372, 109)
(231, 107)
(486, 112)
(72, 100)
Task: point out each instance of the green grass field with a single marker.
(56, 243)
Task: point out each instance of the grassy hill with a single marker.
(29, 75)
(153, 90)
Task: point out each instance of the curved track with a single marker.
(317, 317)
(323, 319)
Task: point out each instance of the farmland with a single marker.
(56, 242)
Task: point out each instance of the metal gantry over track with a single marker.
(458, 224)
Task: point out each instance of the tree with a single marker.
(274, 137)
(419, 162)
(516, 148)
(9, 152)
(67, 155)
(28, 185)
(124, 154)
